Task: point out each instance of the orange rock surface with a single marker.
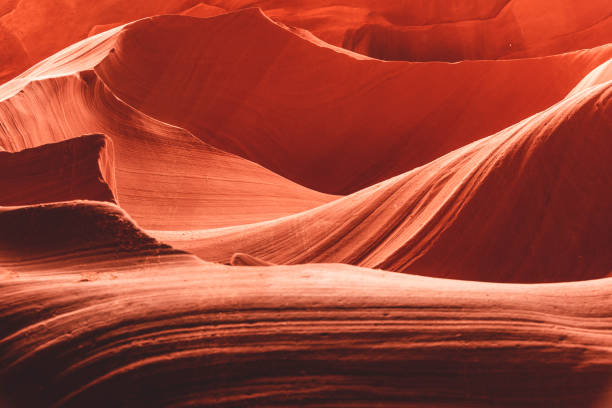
(345, 203)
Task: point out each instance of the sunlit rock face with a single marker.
(289, 203)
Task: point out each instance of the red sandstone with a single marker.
(275, 203)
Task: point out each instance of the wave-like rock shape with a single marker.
(85, 236)
(439, 31)
(96, 313)
(79, 168)
(199, 10)
(326, 335)
(529, 204)
(251, 96)
(412, 30)
(38, 28)
(203, 10)
(341, 126)
(240, 259)
(166, 178)
(522, 28)
(402, 12)
(76, 58)
(598, 76)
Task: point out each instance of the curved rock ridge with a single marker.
(306, 335)
(79, 168)
(529, 204)
(439, 31)
(86, 236)
(162, 242)
(199, 10)
(39, 28)
(296, 122)
(240, 259)
(522, 28)
(415, 30)
(333, 127)
(599, 75)
(165, 177)
(78, 57)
